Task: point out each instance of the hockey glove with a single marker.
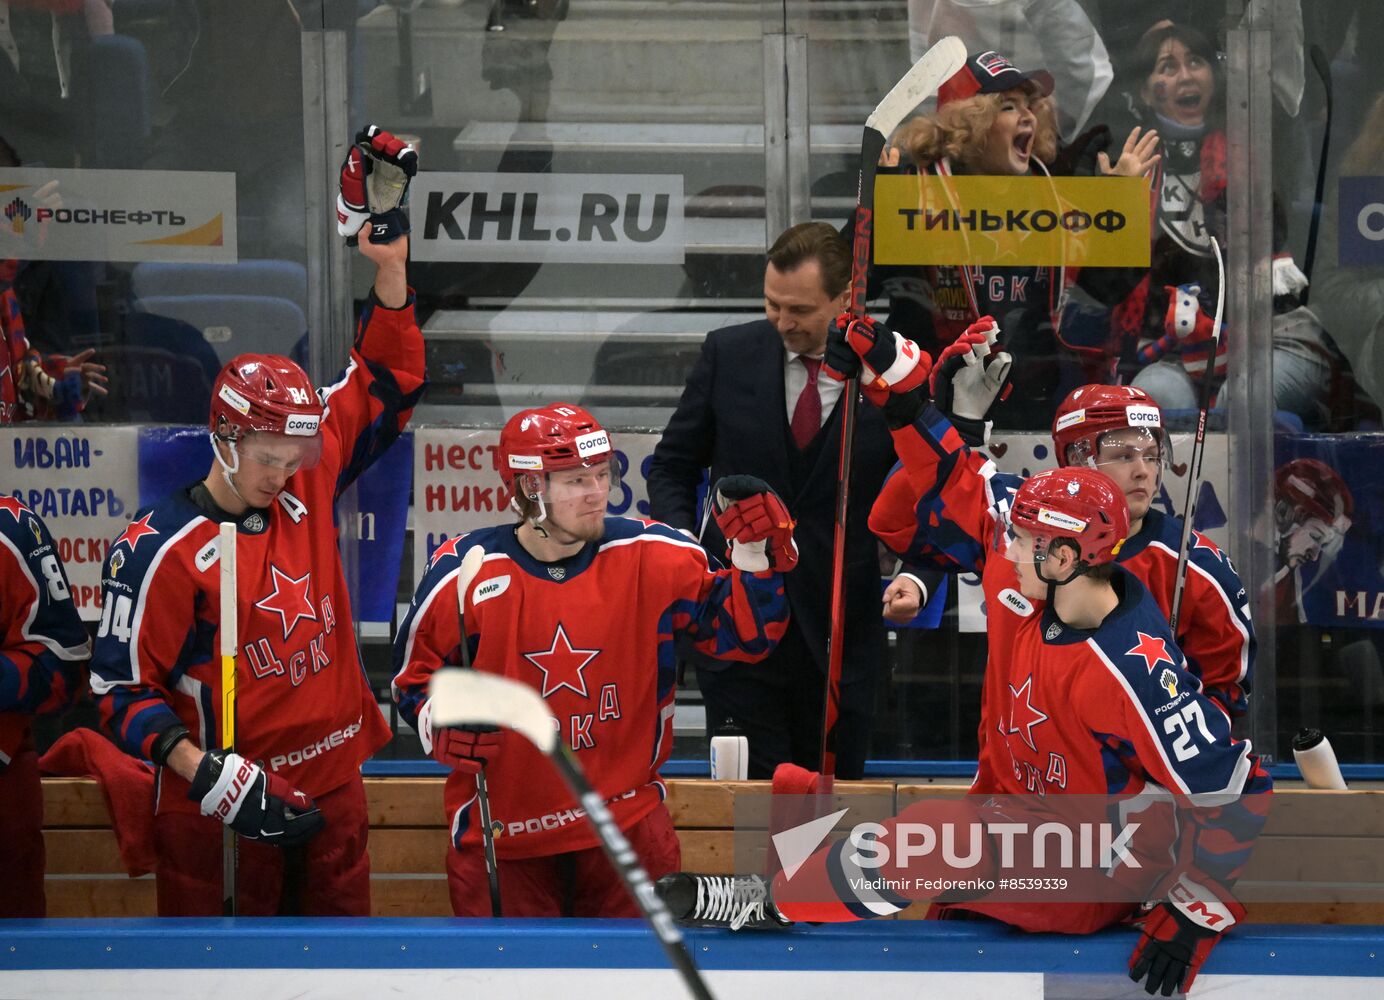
(889, 363)
(755, 523)
(1179, 935)
(466, 748)
(971, 375)
(374, 185)
(253, 803)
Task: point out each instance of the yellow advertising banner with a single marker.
(1012, 221)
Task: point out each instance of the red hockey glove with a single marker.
(253, 803)
(971, 373)
(1179, 935)
(466, 748)
(756, 524)
(889, 363)
(374, 184)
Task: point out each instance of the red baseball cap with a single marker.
(989, 73)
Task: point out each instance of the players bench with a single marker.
(407, 838)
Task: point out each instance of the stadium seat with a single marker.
(282, 279)
(234, 324)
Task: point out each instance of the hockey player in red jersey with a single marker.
(306, 716)
(1085, 693)
(1119, 430)
(43, 652)
(586, 609)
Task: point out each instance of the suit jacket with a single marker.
(733, 419)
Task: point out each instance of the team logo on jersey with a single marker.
(493, 587)
(1200, 541)
(1054, 630)
(36, 531)
(1016, 602)
(1167, 680)
(562, 664)
(255, 522)
(117, 560)
(136, 530)
(13, 506)
(291, 599)
(1023, 716)
(557, 572)
(1153, 649)
(447, 548)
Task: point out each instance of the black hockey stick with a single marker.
(919, 83)
(1323, 69)
(1189, 509)
(470, 566)
(472, 697)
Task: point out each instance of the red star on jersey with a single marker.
(290, 600)
(562, 665)
(1152, 649)
(136, 530)
(13, 506)
(447, 548)
(1023, 717)
(1200, 541)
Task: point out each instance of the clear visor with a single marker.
(570, 484)
(1125, 449)
(280, 451)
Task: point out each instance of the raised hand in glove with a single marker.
(1179, 934)
(887, 363)
(253, 803)
(374, 185)
(971, 374)
(755, 523)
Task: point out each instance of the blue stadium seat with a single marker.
(283, 279)
(234, 324)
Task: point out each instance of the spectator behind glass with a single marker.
(35, 386)
(993, 119)
(1162, 329)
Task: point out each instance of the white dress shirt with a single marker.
(795, 379)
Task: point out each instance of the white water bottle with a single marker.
(730, 758)
(1316, 760)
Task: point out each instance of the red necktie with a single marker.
(807, 412)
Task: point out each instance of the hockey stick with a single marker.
(470, 566)
(471, 697)
(1323, 69)
(226, 544)
(1189, 509)
(928, 73)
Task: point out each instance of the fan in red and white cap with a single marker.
(589, 610)
(283, 451)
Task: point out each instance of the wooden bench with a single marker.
(408, 841)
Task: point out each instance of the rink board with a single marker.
(580, 959)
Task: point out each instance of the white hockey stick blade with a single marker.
(932, 70)
(472, 697)
(470, 566)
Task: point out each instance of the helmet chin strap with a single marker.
(228, 471)
(535, 521)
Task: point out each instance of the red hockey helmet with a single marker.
(1082, 505)
(264, 392)
(1094, 410)
(1312, 489)
(548, 439)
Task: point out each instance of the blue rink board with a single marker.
(886, 946)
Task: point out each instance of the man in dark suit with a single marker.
(754, 404)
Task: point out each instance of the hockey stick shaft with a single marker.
(626, 864)
(226, 544)
(475, 697)
(920, 82)
(1189, 507)
(470, 566)
(1323, 68)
